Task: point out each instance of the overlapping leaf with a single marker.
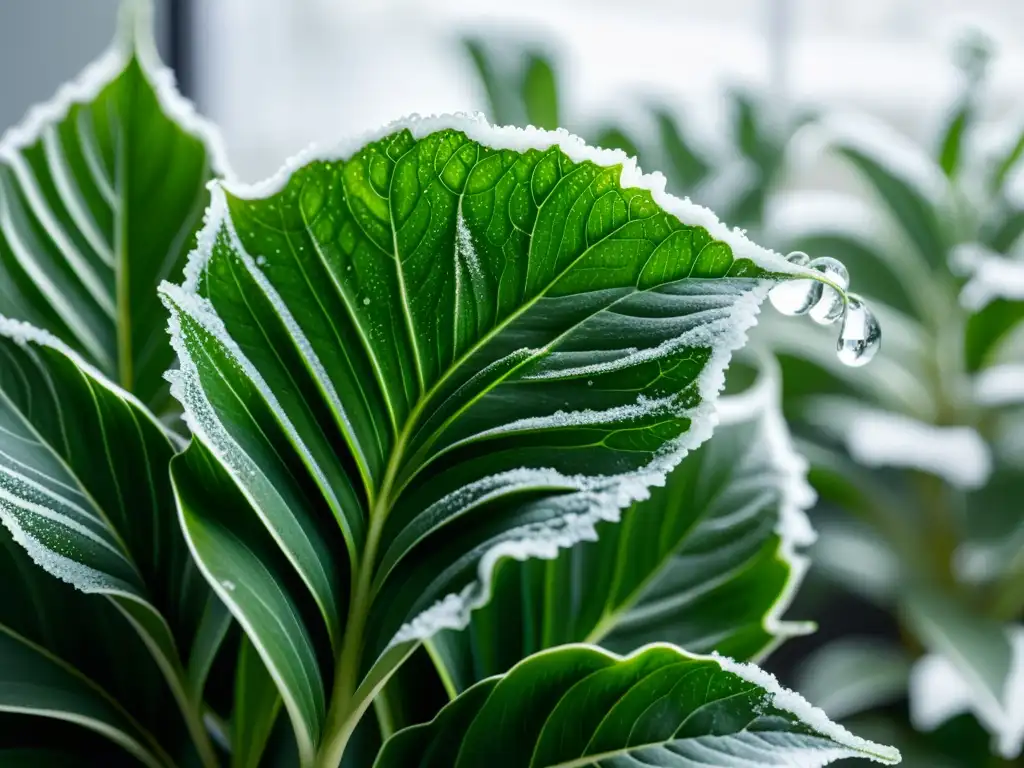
(406, 361)
(84, 490)
(64, 657)
(706, 563)
(577, 706)
(101, 191)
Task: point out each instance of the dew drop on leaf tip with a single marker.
(796, 297)
(860, 336)
(829, 307)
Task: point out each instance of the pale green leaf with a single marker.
(853, 675)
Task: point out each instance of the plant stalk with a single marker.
(343, 712)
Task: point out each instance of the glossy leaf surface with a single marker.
(407, 360)
(578, 706)
(101, 192)
(708, 562)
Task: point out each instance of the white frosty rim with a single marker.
(796, 495)
(134, 37)
(781, 698)
(476, 127)
(595, 499)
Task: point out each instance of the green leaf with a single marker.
(707, 563)
(408, 359)
(257, 703)
(64, 658)
(987, 328)
(1006, 163)
(29, 741)
(579, 706)
(684, 164)
(503, 97)
(540, 92)
(614, 137)
(35, 681)
(952, 141)
(1003, 228)
(910, 185)
(84, 490)
(101, 191)
(976, 646)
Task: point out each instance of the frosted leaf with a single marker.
(990, 276)
(938, 692)
(877, 438)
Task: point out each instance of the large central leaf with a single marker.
(408, 360)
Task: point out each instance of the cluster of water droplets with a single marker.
(860, 335)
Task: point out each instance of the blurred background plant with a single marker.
(919, 466)
(918, 574)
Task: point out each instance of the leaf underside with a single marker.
(703, 564)
(577, 706)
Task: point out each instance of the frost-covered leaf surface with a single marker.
(708, 562)
(579, 706)
(877, 438)
(990, 276)
(84, 489)
(939, 690)
(63, 659)
(411, 357)
(101, 191)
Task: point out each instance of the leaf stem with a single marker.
(385, 717)
(343, 712)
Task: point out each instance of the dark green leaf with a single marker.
(986, 328)
(540, 92)
(86, 493)
(101, 191)
(578, 706)
(706, 563)
(409, 359)
(952, 139)
(257, 703)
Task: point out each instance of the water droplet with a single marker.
(590, 382)
(830, 306)
(366, 301)
(861, 335)
(228, 585)
(796, 297)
